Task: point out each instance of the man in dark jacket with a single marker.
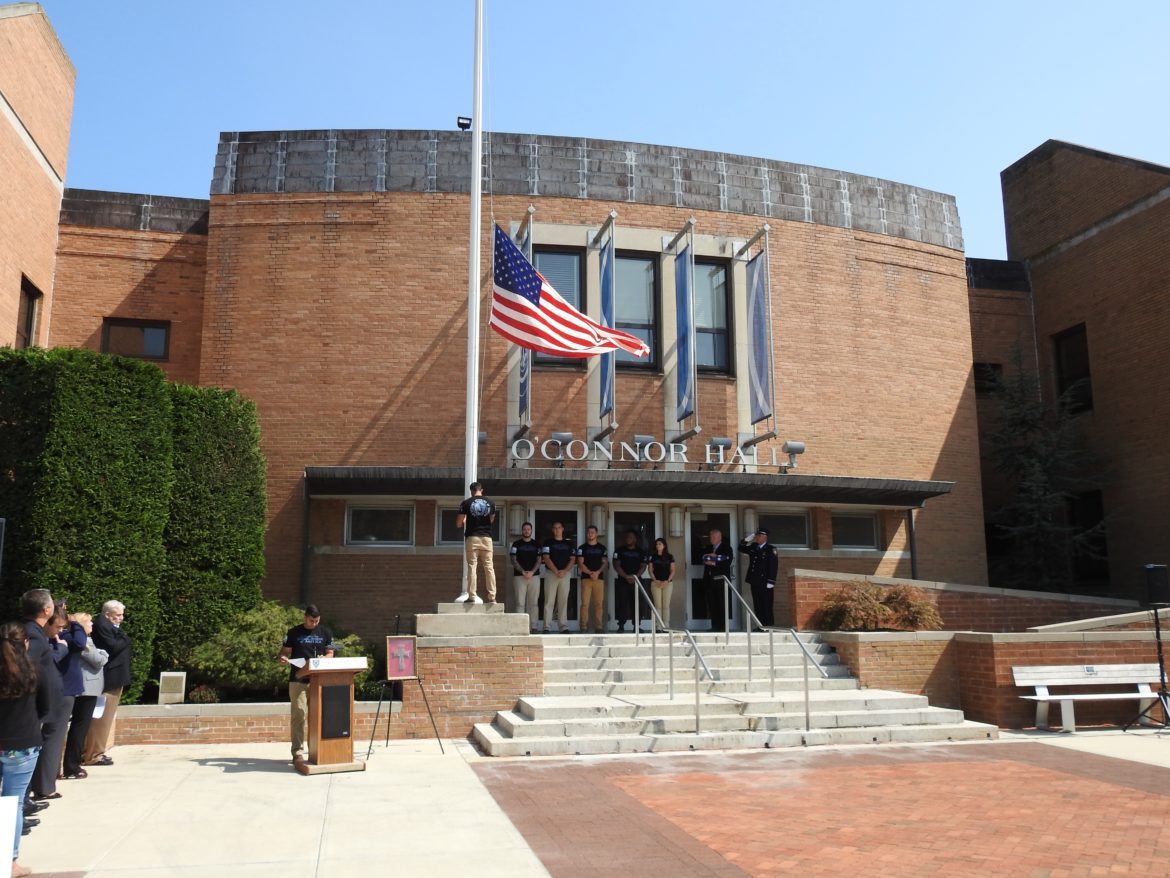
(717, 557)
(761, 575)
(108, 635)
(36, 609)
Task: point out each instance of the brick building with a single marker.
(1084, 294)
(36, 106)
(323, 278)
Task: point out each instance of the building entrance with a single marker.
(703, 598)
(645, 522)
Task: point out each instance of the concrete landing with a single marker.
(471, 620)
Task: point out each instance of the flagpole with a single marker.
(471, 440)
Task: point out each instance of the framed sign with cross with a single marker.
(400, 658)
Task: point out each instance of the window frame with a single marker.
(761, 514)
(28, 315)
(348, 540)
(654, 362)
(1081, 401)
(728, 318)
(538, 357)
(441, 507)
(875, 522)
(134, 323)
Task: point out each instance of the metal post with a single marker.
(726, 611)
(772, 660)
(471, 440)
(807, 717)
(697, 728)
(670, 664)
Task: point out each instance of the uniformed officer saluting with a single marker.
(761, 574)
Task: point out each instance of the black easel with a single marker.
(382, 697)
(1163, 697)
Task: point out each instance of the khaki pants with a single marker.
(298, 724)
(479, 550)
(592, 605)
(100, 737)
(556, 596)
(528, 598)
(661, 598)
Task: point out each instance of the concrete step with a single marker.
(593, 663)
(494, 743)
(630, 649)
(684, 686)
(683, 674)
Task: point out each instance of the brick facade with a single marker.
(467, 681)
(960, 607)
(922, 663)
(36, 107)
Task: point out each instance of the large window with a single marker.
(711, 336)
(1071, 355)
(787, 530)
(855, 531)
(562, 269)
(379, 526)
(145, 339)
(29, 315)
(449, 533)
(636, 305)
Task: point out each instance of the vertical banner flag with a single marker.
(759, 338)
(524, 409)
(607, 320)
(684, 308)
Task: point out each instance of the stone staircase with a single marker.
(599, 698)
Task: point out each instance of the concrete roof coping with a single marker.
(1058, 637)
(488, 640)
(887, 636)
(1103, 621)
(253, 708)
(972, 589)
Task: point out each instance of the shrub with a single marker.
(203, 694)
(865, 606)
(242, 654)
(215, 533)
(85, 479)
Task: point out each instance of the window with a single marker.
(562, 269)
(987, 379)
(379, 526)
(145, 339)
(449, 533)
(636, 305)
(786, 529)
(711, 337)
(855, 532)
(29, 314)
(1071, 355)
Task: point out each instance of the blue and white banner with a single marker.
(607, 320)
(524, 408)
(685, 310)
(759, 338)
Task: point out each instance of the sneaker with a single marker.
(565, 631)
(547, 630)
(463, 596)
(476, 599)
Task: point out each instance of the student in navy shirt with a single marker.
(662, 579)
(308, 640)
(592, 562)
(525, 556)
(628, 563)
(558, 561)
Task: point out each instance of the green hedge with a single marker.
(215, 536)
(85, 480)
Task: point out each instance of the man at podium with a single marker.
(306, 641)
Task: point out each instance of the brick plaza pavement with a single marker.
(1008, 808)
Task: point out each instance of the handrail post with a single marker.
(697, 727)
(726, 611)
(807, 716)
(772, 660)
(670, 660)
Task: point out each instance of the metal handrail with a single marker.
(729, 588)
(808, 658)
(700, 661)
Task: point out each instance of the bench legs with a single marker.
(1068, 717)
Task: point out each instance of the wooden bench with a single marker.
(1042, 677)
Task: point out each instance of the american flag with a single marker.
(526, 310)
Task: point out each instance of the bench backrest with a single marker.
(1085, 675)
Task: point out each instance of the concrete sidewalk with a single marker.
(241, 810)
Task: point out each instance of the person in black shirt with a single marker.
(717, 557)
(476, 516)
(592, 561)
(628, 563)
(308, 640)
(558, 560)
(662, 579)
(526, 583)
(761, 575)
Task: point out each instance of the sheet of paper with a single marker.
(297, 663)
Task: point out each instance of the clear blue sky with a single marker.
(935, 94)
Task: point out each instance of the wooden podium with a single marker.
(331, 715)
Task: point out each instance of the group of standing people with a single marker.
(61, 678)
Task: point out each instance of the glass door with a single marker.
(700, 605)
(645, 523)
(543, 519)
